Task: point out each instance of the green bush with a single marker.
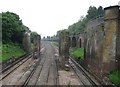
(77, 52)
(114, 76)
(11, 50)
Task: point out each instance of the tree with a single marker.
(48, 37)
(12, 27)
(78, 27)
(100, 11)
(92, 12)
(43, 37)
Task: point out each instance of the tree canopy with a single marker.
(94, 12)
(12, 27)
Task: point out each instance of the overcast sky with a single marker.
(46, 17)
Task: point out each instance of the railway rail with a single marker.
(44, 71)
(11, 62)
(33, 68)
(33, 72)
(83, 75)
(10, 68)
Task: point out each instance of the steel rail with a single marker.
(12, 65)
(15, 62)
(84, 72)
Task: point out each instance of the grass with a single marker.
(114, 76)
(77, 52)
(10, 51)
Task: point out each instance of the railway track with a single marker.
(26, 80)
(26, 72)
(83, 75)
(11, 62)
(33, 69)
(10, 68)
(36, 76)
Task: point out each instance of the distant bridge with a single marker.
(51, 39)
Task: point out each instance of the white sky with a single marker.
(46, 17)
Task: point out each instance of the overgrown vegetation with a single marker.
(79, 27)
(94, 12)
(77, 53)
(12, 35)
(12, 28)
(11, 50)
(114, 76)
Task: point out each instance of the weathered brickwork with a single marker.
(26, 42)
(101, 42)
(64, 44)
(93, 43)
(77, 40)
(37, 46)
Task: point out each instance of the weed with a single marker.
(11, 50)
